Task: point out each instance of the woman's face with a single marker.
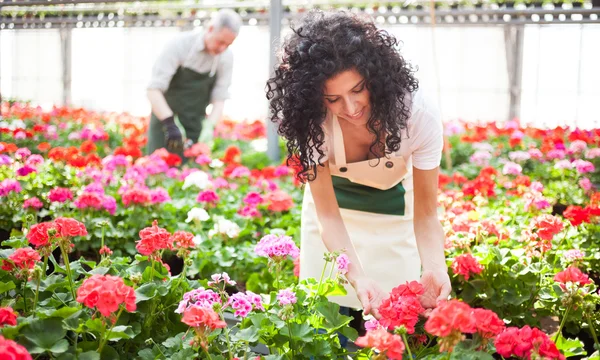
(346, 95)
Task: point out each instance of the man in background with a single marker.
(193, 70)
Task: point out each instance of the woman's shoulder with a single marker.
(424, 111)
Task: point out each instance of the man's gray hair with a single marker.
(227, 18)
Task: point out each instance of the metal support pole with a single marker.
(275, 15)
(513, 41)
(66, 40)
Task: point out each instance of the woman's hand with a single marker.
(370, 295)
(437, 287)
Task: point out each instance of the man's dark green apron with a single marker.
(188, 96)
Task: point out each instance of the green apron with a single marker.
(188, 96)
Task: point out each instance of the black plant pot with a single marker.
(596, 3)
(577, 5)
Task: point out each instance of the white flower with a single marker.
(197, 240)
(216, 163)
(226, 227)
(259, 145)
(198, 179)
(197, 214)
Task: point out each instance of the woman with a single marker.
(369, 145)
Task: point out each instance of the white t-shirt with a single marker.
(420, 146)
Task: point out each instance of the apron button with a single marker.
(343, 169)
(389, 164)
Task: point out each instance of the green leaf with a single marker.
(174, 342)
(45, 333)
(4, 287)
(60, 347)
(121, 332)
(99, 270)
(349, 332)
(300, 332)
(95, 325)
(109, 353)
(317, 347)
(16, 243)
(145, 292)
(470, 355)
(73, 321)
(333, 318)
(184, 354)
(64, 312)
(249, 334)
(89, 355)
(147, 354)
(570, 347)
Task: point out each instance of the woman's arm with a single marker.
(430, 237)
(335, 237)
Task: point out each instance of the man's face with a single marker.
(217, 41)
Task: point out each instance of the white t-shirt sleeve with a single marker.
(427, 138)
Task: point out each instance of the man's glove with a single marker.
(208, 130)
(173, 138)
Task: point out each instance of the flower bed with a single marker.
(110, 254)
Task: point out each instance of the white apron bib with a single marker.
(376, 203)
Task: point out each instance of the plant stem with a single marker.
(37, 290)
(68, 267)
(277, 272)
(24, 298)
(312, 301)
(152, 271)
(227, 337)
(591, 325)
(290, 332)
(182, 275)
(102, 241)
(562, 323)
(105, 339)
(407, 346)
(206, 351)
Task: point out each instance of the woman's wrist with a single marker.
(354, 273)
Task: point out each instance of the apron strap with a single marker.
(339, 151)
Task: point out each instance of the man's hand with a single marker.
(173, 137)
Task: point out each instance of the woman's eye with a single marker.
(360, 90)
(332, 101)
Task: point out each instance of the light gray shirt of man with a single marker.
(187, 50)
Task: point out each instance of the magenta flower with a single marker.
(253, 198)
(556, 154)
(33, 203)
(574, 254)
(22, 153)
(241, 303)
(277, 247)
(25, 170)
(60, 195)
(584, 166)
(208, 196)
(198, 297)
(592, 153)
(511, 168)
(286, 297)
(585, 184)
(34, 160)
(203, 159)
(249, 211)
(240, 171)
(219, 278)
(9, 185)
(342, 263)
(159, 195)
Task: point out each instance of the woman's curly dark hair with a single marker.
(324, 45)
